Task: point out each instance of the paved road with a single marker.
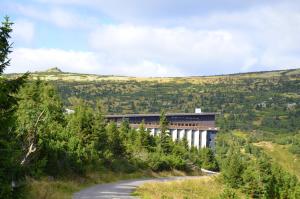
(121, 189)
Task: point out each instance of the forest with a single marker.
(38, 138)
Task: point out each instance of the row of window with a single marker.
(175, 124)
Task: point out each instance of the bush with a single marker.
(209, 161)
(159, 162)
(123, 165)
(295, 149)
(228, 193)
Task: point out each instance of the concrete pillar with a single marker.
(189, 137)
(157, 132)
(197, 139)
(203, 139)
(174, 134)
(152, 131)
(181, 133)
(193, 138)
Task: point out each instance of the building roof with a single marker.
(157, 114)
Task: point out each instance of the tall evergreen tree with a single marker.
(115, 143)
(99, 132)
(233, 167)
(81, 128)
(165, 139)
(9, 149)
(124, 130)
(142, 135)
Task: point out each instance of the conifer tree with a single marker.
(145, 140)
(9, 149)
(233, 167)
(124, 130)
(208, 159)
(115, 142)
(99, 132)
(81, 129)
(165, 139)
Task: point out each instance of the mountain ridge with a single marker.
(55, 73)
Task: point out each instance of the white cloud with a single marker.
(27, 59)
(23, 32)
(187, 50)
(259, 38)
(262, 36)
(59, 16)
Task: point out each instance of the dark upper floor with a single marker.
(171, 117)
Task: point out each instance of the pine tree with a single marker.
(144, 139)
(115, 143)
(99, 132)
(9, 149)
(233, 168)
(84, 140)
(208, 159)
(165, 139)
(124, 130)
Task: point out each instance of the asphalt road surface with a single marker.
(120, 189)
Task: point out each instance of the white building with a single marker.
(198, 128)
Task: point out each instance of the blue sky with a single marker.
(154, 38)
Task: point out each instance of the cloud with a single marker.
(259, 38)
(23, 32)
(143, 51)
(192, 51)
(157, 10)
(59, 16)
(168, 38)
(28, 59)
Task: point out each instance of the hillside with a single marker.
(258, 100)
(282, 156)
(56, 74)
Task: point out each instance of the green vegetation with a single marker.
(202, 188)
(266, 101)
(247, 168)
(9, 148)
(39, 141)
(42, 145)
(247, 172)
(60, 145)
(282, 155)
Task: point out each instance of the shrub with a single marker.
(228, 193)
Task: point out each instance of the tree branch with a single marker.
(32, 146)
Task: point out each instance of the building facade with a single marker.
(198, 128)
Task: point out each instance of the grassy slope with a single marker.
(208, 187)
(237, 94)
(282, 156)
(47, 188)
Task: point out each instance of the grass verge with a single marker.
(206, 187)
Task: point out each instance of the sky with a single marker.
(154, 37)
